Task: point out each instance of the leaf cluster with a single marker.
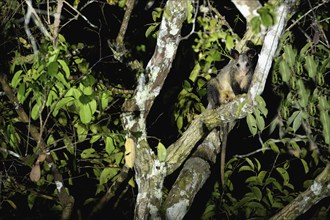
(73, 112)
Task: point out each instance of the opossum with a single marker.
(235, 78)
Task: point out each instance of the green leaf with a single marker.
(262, 105)
(107, 174)
(156, 13)
(274, 147)
(190, 10)
(105, 98)
(255, 24)
(290, 55)
(230, 42)
(93, 106)
(273, 125)
(315, 156)
(323, 103)
(270, 196)
(284, 174)
(320, 79)
(109, 145)
(209, 211)
(325, 120)
(21, 94)
(292, 117)
(95, 138)
(245, 168)
(35, 111)
(60, 77)
(285, 71)
(195, 72)
(16, 79)
(151, 29)
(311, 66)
(258, 163)
(274, 183)
(266, 19)
(12, 204)
(88, 90)
(161, 152)
(259, 119)
(179, 122)
(118, 157)
(52, 68)
(81, 131)
(51, 97)
(88, 153)
(252, 179)
(261, 175)
(249, 161)
(257, 193)
(61, 104)
(297, 122)
(306, 167)
(252, 124)
(65, 67)
(85, 113)
(306, 49)
(303, 94)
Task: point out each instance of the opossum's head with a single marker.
(244, 62)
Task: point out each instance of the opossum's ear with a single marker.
(251, 53)
(234, 54)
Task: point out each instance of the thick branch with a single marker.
(268, 50)
(237, 109)
(178, 152)
(315, 193)
(160, 63)
(192, 177)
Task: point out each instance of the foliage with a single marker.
(77, 113)
(71, 108)
(300, 134)
(213, 40)
(266, 18)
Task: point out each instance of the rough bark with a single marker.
(183, 192)
(319, 190)
(149, 171)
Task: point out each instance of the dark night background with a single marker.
(160, 121)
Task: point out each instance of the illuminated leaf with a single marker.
(65, 67)
(285, 71)
(284, 174)
(161, 152)
(61, 104)
(16, 79)
(107, 174)
(109, 145)
(52, 68)
(252, 124)
(85, 113)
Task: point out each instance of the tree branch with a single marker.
(316, 192)
(239, 107)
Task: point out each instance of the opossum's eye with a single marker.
(237, 64)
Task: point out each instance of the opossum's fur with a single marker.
(233, 79)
